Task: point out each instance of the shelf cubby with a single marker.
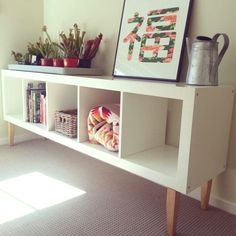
(173, 125)
(25, 84)
(144, 133)
(89, 98)
(59, 97)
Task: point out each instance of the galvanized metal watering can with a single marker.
(204, 60)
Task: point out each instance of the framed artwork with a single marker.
(151, 38)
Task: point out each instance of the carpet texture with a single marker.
(116, 202)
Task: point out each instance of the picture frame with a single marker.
(150, 41)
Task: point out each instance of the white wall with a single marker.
(20, 22)
(93, 17)
(208, 18)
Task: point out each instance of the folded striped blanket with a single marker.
(103, 126)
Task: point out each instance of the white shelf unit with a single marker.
(172, 134)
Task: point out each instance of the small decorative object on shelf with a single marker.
(56, 52)
(66, 122)
(90, 50)
(71, 45)
(204, 60)
(31, 57)
(35, 54)
(85, 63)
(20, 58)
(151, 38)
(103, 126)
(46, 50)
(71, 62)
(58, 62)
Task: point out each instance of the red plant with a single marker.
(91, 47)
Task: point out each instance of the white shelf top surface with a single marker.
(144, 87)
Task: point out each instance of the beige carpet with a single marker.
(116, 202)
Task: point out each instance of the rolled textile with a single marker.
(103, 126)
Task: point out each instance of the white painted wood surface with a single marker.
(143, 123)
(210, 134)
(204, 115)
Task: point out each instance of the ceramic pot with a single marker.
(71, 62)
(58, 62)
(46, 62)
(85, 63)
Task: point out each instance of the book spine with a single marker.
(42, 109)
(31, 109)
(45, 111)
(36, 102)
(28, 105)
(33, 94)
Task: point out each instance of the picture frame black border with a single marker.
(186, 29)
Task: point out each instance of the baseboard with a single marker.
(217, 202)
(19, 138)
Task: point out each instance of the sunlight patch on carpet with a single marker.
(10, 208)
(25, 194)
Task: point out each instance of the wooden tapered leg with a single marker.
(11, 134)
(205, 194)
(172, 202)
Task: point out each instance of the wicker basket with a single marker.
(66, 122)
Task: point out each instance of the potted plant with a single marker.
(31, 57)
(20, 58)
(90, 50)
(71, 45)
(56, 52)
(34, 53)
(57, 59)
(45, 48)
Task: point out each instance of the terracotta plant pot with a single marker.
(46, 62)
(71, 62)
(58, 62)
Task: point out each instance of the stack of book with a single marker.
(36, 103)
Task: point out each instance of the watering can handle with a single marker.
(222, 52)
